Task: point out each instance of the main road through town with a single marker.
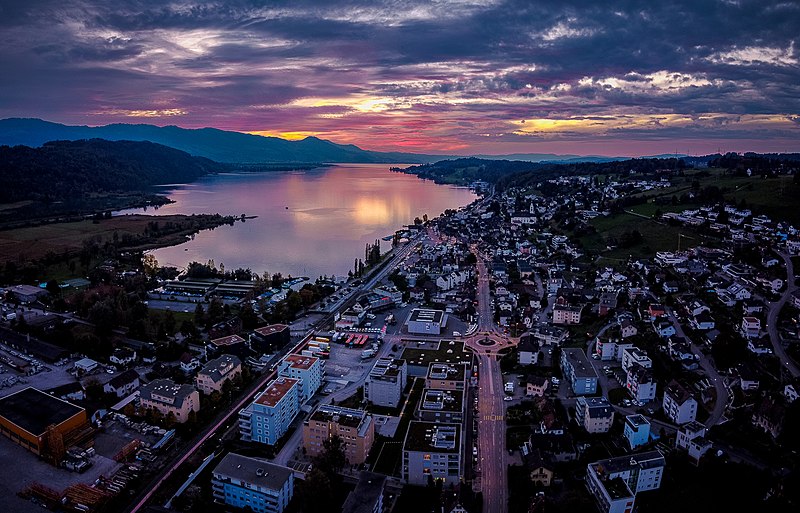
(772, 319)
(493, 468)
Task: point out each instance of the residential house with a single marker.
(367, 497)
(750, 327)
(122, 357)
(769, 415)
(634, 355)
(385, 383)
(679, 405)
(640, 383)
(636, 431)
(432, 450)
(691, 438)
(216, 372)
(310, 370)
(539, 468)
(565, 314)
(536, 386)
(528, 350)
(703, 322)
(167, 397)
(627, 328)
(123, 384)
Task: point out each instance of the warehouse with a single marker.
(25, 417)
(423, 321)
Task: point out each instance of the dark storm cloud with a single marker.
(446, 68)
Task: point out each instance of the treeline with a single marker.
(467, 170)
(64, 170)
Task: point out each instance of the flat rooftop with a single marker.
(426, 315)
(448, 351)
(252, 470)
(386, 369)
(636, 420)
(342, 416)
(301, 362)
(644, 460)
(275, 391)
(579, 362)
(34, 410)
(617, 488)
(271, 329)
(433, 437)
(228, 341)
(446, 371)
(442, 400)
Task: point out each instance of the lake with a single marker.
(310, 223)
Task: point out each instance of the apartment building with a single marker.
(595, 414)
(640, 383)
(216, 372)
(578, 371)
(432, 450)
(253, 484)
(565, 314)
(446, 376)
(385, 383)
(634, 355)
(636, 430)
(679, 405)
(615, 482)
(356, 429)
(309, 370)
(268, 417)
(167, 397)
(441, 405)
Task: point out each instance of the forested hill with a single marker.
(505, 173)
(67, 170)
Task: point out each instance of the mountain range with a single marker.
(237, 147)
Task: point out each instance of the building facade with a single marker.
(595, 414)
(167, 397)
(253, 484)
(386, 381)
(216, 372)
(269, 416)
(578, 371)
(309, 370)
(356, 429)
(432, 451)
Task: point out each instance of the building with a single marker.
(640, 383)
(350, 318)
(386, 381)
(627, 328)
(610, 348)
(167, 397)
(26, 293)
(85, 365)
(634, 355)
(441, 405)
(308, 369)
(679, 405)
(528, 350)
(536, 386)
(269, 416)
(122, 357)
(423, 321)
(636, 431)
(432, 451)
(539, 468)
(123, 384)
(691, 438)
(750, 327)
(231, 344)
(445, 376)
(32, 418)
(253, 484)
(367, 497)
(216, 372)
(595, 414)
(356, 429)
(615, 482)
(548, 335)
(578, 371)
(269, 338)
(565, 314)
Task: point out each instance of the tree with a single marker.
(332, 459)
(199, 315)
(150, 265)
(53, 288)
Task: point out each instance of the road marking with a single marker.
(494, 418)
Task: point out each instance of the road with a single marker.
(772, 319)
(493, 468)
(722, 395)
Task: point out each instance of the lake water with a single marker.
(310, 223)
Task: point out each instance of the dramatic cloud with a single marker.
(450, 76)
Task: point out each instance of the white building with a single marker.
(251, 483)
(309, 370)
(679, 405)
(691, 438)
(432, 450)
(385, 383)
(634, 355)
(595, 414)
(269, 416)
(423, 321)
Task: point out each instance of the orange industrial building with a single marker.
(42, 423)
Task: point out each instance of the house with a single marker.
(664, 328)
(634, 355)
(610, 348)
(122, 357)
(691, 438)
(216, 372)
(680, 350)
(269, 338)
(656, 310)
(769, 415)
(595, 414)
(697, 307)
(703, 322)
(759, 346)
(636, 431)
(565, 314)
(627, 328)
(750, 327)
(748, 379)
(536, 386)
(578, 371)
(189, 363)
(85, 365)
(670, 287)
(72, 391)
(548, 335)
(123, 384)
(230, 344)
(527, 350)
(167, 397)
(679, 405)
(608, 302)
(540, 469)
(251, 483)
(790, 392)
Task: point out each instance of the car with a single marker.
(109, 371)
(508, 398)
(595, 356)
(626, 402)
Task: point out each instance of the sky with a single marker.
(430, 76)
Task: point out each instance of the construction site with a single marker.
(55, 458)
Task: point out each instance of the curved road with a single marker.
(772, 319)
